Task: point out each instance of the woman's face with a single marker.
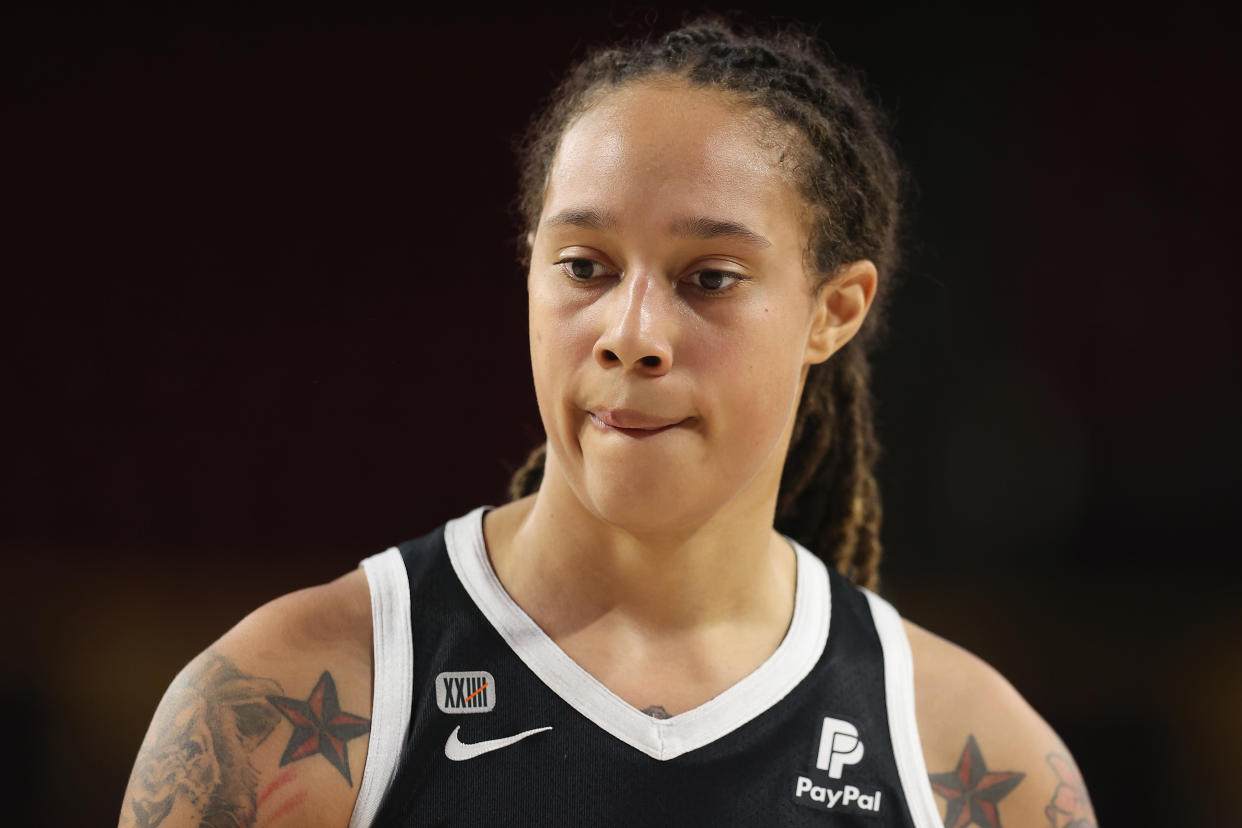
(667, 288)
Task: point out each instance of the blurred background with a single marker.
(265, 320)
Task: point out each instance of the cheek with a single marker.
(752, 361)
(759, 395)
(751, 381)
(560, 342)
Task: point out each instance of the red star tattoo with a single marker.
(972, 791)
(319, 726)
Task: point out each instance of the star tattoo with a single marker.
(319, 726)
(972, 791)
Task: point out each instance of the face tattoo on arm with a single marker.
(199, 749)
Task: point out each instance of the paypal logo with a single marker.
(839, 746)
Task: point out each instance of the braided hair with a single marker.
(851, 181)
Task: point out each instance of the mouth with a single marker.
(639, 433)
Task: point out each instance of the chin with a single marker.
(649, 504)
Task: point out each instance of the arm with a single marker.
(992, 760)
(269, 725)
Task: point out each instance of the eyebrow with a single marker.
(691, 227)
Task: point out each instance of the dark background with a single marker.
(266, 320)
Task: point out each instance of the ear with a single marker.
(838, 310)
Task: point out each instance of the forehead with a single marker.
(653, 152)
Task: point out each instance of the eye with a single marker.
(580, 270)
(712, 281)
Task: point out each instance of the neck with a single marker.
(730, 568)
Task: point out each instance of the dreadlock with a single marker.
(850, 179)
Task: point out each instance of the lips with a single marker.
(632, 421)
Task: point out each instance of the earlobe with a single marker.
(840, 308)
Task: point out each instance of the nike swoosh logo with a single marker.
(459, 751)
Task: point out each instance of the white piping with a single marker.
(393, 680)
(902, 723)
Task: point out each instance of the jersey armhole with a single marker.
(903, 725)
(392, 679)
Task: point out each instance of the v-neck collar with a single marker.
(662, 739)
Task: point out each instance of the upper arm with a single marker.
(988, 753)
(269, 723)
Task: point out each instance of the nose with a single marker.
(639, 326)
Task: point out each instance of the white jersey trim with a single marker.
(660, 739)
(902, 723)
(393, 679)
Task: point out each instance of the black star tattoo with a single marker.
(972, 791)
(319, 726)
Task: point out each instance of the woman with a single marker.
(645, 634)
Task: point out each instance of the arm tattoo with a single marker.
(657, 711)
(198, 751)
(1070, 806)
(320, 728)
(196, 758)
(971, 791)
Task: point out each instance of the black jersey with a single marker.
(479, 718)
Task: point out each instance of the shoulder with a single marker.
(987, 751)
(271, 720)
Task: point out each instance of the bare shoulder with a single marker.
(270, 722)
(988, 753)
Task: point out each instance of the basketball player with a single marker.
(710, 223)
